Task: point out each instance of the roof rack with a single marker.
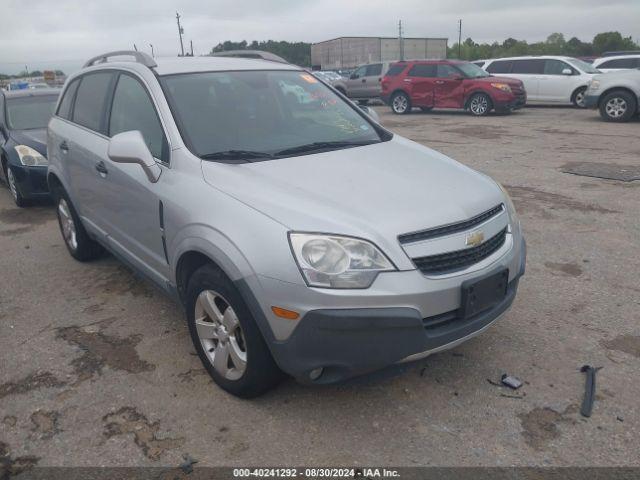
(257, 54)
(140, 57)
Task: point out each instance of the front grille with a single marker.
(451, 228)
(460, 259)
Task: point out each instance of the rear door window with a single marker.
(374, 70)
(89, 107)
(423, 70)
(528, 66)
(64, 110)
(500, 66)
(132, 109)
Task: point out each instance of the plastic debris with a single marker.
(589, 390)
(187, 465)
(511, 382)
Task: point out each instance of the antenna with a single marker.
(459, 39)
(180, 32)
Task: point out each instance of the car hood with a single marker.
(379, 190)
(34, 138)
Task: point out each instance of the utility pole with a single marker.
(180, 32)
(400, 41)
(460, 39)
(191, 42)
(135, 48)
(153, 55)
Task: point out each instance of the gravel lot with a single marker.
(97, 367)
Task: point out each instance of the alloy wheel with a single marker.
(12, 184)
(400, 104)
(67, 224)
(221, 335)
(616, 107)
(580, 96)
(479, 105)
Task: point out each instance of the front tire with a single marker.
(480, 104)
(226, 336)
(400, 103)
(78, 242)
(618, 106)
(18, 199)
(578, 98)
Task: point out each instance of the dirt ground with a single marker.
(97, 368)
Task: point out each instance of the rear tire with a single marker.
(226, 336)
(78, 242)
(400, 103)
(578, 98)
(618, 106)
(479, 104)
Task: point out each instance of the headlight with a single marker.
(594, 85)
(502, 86)
(29, 157)
(332, 261)
(511, 209)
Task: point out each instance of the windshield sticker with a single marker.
(308, 78)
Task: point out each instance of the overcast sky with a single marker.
(63, 33)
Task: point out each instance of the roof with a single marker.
(31, 92)
(532, 57)
(174, 65)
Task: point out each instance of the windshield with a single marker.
(471, 71)
(26, 113)
(584, 66)
(257, 114)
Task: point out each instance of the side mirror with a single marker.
(371, 112)
(130, 147)
(567, 71)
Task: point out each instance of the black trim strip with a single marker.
(451, 228)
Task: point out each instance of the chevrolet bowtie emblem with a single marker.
(474, 238)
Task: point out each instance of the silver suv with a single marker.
(615, 94)
(364, 83)
(299, 234)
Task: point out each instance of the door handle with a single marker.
(102, 168)
(64, 147)
(440, 82)
(364, 80)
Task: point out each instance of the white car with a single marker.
(548, 79)
(617, 63)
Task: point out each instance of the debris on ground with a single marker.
(511, 381)
(589, 390)
(187, 465)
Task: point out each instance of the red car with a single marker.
(431, 84)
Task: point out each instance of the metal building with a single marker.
(349, 52)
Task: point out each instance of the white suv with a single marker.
(547, 79)
(617, 63)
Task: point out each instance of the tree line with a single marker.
(298, 53)
(555, 44)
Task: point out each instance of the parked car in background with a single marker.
(547, 79)
(615, 94)
(364, 83)
(480, 63)
(616, 63)
(431, 84)
(328, 76)
(24, 115)
(320, 258)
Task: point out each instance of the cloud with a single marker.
(63, 33)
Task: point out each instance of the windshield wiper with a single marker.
(310, 147)
(235, 155)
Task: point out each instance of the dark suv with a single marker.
(431, 84)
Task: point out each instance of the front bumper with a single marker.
(346, 342)
(513, 103)
(591, 101)
(30, 181)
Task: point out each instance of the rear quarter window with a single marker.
(89, 107)
(423, 70)
(620, 63)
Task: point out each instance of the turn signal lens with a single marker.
(284, 313)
